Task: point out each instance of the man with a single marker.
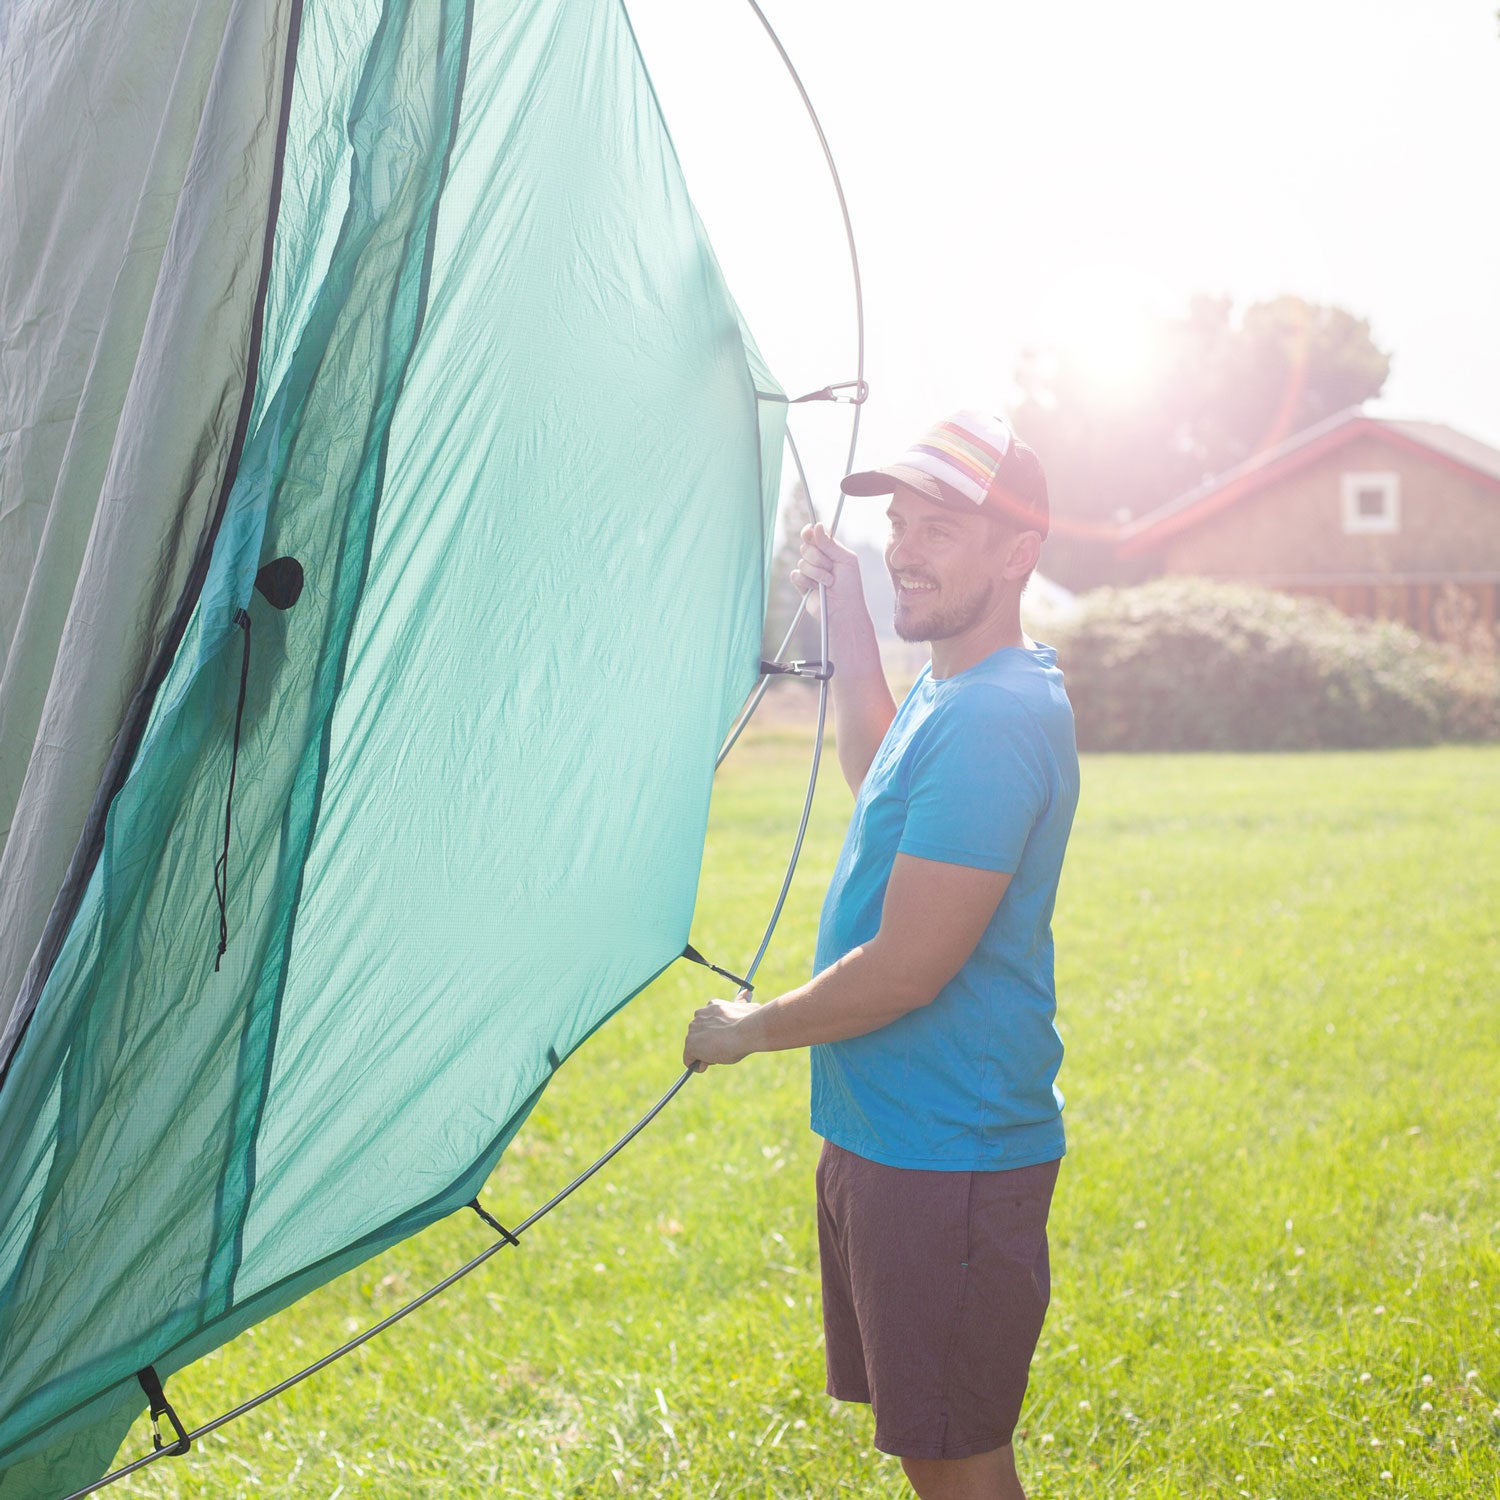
(930, 1013)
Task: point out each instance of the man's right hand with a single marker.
(828, 562)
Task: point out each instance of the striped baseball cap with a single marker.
(969, 459)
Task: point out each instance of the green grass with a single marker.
(1274, 1244)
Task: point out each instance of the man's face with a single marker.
(945, 565)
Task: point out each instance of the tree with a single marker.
(1219, 389)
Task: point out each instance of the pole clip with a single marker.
(494, 1223)
(693, 956)
(817, 671)
(861, 389)
(161, 1407)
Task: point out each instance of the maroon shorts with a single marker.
(935, 1285)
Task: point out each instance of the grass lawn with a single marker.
(1275, 1262)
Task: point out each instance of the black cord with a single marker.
(221, 864)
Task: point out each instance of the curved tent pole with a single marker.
(858, 383)
(753, 702)
(507, 1237)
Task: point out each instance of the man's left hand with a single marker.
(718, 1033)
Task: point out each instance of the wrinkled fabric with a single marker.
(137, 143)
(507, 419)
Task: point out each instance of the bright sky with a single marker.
(1043, 172)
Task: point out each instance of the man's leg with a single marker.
(942, 1287)
(985, 1476)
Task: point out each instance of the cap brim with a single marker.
(900, 476)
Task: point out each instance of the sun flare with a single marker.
(1101, 325)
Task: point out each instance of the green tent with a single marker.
(413, 295)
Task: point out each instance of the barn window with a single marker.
(1372, 502)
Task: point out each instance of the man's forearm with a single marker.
(862, 703)
(933, 916)
(862, 992)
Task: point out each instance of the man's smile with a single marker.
(908, 585)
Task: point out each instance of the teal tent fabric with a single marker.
(508, 420)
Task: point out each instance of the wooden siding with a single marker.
(1439, 572)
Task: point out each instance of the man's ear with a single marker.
(1022, 554)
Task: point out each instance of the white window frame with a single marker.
(1389, 519)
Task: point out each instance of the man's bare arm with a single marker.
(862, 703)
(932, 919)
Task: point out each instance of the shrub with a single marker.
(1184, 664)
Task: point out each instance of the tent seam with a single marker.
(325, 746)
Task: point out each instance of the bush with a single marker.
(1184, 664)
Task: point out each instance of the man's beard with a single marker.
(948, 620)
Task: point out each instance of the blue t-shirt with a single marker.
(977, 769)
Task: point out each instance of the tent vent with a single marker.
(280, 582)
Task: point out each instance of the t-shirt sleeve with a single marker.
(978, 784)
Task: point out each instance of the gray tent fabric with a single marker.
(117, 246)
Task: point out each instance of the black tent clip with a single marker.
(494, 1223)
(860, 388)
(818, 671)
(161, 1407)
(693, 956)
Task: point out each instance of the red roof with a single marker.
(1432, 439)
